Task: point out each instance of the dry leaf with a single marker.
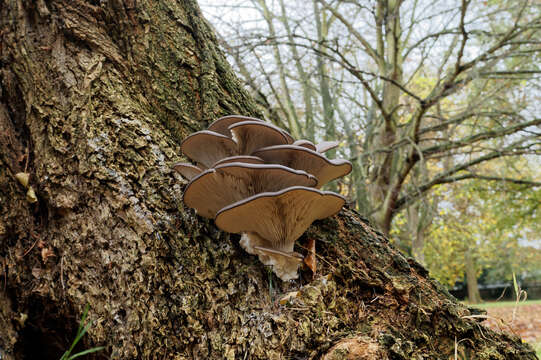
(46, 253)
(288, 297)
(23, 178)
(31, 196)
(36, 272)
(310, 259)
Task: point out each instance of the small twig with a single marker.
(62, 272)
(26, 160)
(4, 269)
(31, 247)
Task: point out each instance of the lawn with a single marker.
(523, 319)
(497, 304)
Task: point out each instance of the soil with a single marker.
(525, 323)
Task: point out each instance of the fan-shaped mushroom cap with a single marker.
(253, 135)
(187, 170)
(277, 219)
(298, 157)
(240, 158)
(206, 147)
(222, 124)
(305, 143)
(326, 146)
(216, 188)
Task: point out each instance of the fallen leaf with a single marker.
(310, 259)
(288, 297)
(23, 178)
(46, 253)
(31, 196)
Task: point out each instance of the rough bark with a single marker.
(95, 99)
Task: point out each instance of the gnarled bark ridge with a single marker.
(95, 99)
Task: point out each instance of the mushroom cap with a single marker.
(240, 158)
(187, 170)
(326, 146)
(216, 188)
(222, 124)
(298, 157)
(279, 217)
(305, 143)
(207, 147)
(253, 135)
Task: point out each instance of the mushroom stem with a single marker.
(285, 262)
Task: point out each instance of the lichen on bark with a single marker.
(95, 99)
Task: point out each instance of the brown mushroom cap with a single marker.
(279, 217)
(326, 146)
(221, 125)
(298, 157)
(216, 188)
(207, 147)
(187, 170)
(253, 135)
(305, 143)
(240, 158)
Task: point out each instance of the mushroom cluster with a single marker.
(254, 179)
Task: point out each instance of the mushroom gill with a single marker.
(206, 147)
(275, 220)
(187, 170)
(302, 158)
(240, 158)
(253, 135)
(216, 188)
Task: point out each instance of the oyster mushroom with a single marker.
(207, 147)
(222, 124)
(326, 146)
(240, 158)
(225, 184)
(305, 143)
(322, 147)
(271, 222)
(298, 157)
(187, 170)
(252, 135)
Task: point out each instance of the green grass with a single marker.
(537, 348)
(487, 305)
(80, 333)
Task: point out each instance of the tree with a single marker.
(96, 97)
(424, 83)
(494, 241)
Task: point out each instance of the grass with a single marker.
(511, 304)
(496, 304)
(537, 348)
(80, 333)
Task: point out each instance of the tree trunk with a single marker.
(95, 99)
(471, 279)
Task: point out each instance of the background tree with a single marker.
(95, 99)
(433, 90)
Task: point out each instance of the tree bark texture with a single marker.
(95, 99)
